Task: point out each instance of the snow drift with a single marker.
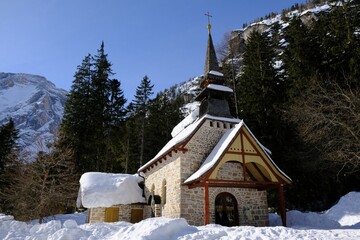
(324, 226)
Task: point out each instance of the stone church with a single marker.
(213, 170)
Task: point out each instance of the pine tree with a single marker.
(164, 115)
(8, 136)
(260, 93)
(8, 160)
(94, 115)
(75, 127)
(141, 106)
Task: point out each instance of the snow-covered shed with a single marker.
(111, 197)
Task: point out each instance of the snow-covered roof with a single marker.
(216, 73)
(185, 122)
(221, 147)
(107, 189)
(215, 153)
(219, 88)
(184, 134)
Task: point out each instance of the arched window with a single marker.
(164, 188)
(152, 189)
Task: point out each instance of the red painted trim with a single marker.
(233, 184)
(264, 160)
(241, 133)
(242, 153)
(282, 204)
(206, 204)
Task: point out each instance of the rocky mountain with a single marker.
(35, 105)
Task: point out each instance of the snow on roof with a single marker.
(215, 153)
(221, 147)
(216, 73)
(219, 88)
(185, 122)
(184, 134)
(108, 189)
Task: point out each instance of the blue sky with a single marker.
(164, 39)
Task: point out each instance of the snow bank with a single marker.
(300, 226)
(345, 214)
(347, 210)
(299, 219)
(108, 189)
(4, 217)
(161, 228)
(156, 228)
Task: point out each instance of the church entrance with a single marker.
(226, 211)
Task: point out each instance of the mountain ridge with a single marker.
(36, 106)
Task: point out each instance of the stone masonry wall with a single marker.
(96, 215)
(231, 171)
(199, 147)
(168, 171)
(252, 205)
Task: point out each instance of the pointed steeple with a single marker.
(211, 62)
(214, 96)
(212, 70)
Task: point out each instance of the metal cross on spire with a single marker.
(208, 16)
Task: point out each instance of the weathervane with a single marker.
(208, 16)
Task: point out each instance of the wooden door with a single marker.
(111, 214)
(136, 215)
(226, 211)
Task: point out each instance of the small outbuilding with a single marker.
(111, 197)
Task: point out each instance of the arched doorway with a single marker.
(226, 211)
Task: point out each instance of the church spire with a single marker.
(211, 63)
(214, 96)
(212, 72)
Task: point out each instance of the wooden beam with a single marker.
(282, 204)
(206, 204)
(242, 154)
(233, 184)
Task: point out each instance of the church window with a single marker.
(153, 189)
(225, 125)
(164, 188)
(211, 124)
(217, 124)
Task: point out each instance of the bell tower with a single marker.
(214, 95)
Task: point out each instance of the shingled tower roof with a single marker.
(211, 62)
(212, 70)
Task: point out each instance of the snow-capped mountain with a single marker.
(36, 107)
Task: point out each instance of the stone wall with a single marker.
(166, 172)
(98, 214)
(230, 171)
(252, 205)
(200, 146)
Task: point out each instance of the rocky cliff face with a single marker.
(35, 105)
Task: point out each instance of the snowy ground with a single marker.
(342, 221)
